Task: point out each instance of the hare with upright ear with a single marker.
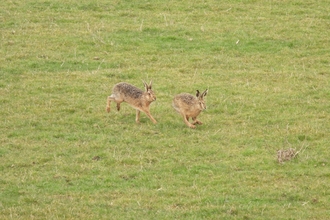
(138, 99)
(190, 106)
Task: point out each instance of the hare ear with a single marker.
(145, 85)
(197, 93)
(150, 84)
(204, 93)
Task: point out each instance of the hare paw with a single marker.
(192, 126)
(197, 122)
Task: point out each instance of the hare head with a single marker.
(200, 98)
(149, 94)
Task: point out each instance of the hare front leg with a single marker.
(137, 117)
(195, 121)
(185, 118)
(150, 116)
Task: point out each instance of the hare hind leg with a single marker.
(109, 102)
(113, 98)
(118, 106)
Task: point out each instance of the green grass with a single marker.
(266, 65)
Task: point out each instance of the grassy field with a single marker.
(266, 65)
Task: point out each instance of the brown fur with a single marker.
(138, 99)
(190, 106)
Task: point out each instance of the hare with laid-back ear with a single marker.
(190, 106)
(138, 99)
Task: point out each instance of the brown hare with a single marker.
(138, 99)
(190, 106)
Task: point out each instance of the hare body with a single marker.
(190, 106)
(138, 99)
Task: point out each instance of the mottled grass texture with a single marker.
(266, 65)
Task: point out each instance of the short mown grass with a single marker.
(266, 65)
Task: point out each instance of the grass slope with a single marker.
(266, 64)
